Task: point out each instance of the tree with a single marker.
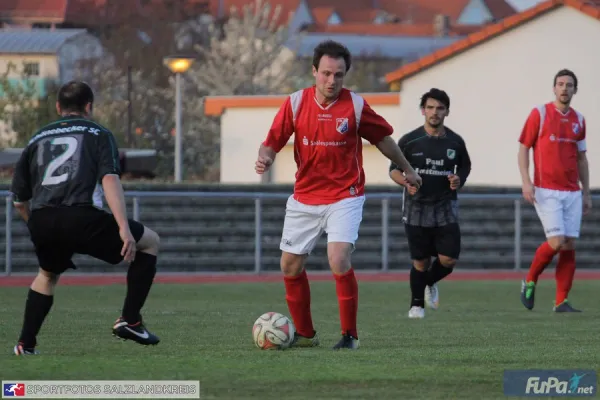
(246, 54)
(24, 107)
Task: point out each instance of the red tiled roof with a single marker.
(490, 32)
(392, 29)
(22, 9)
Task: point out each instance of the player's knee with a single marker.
(569, 244)
(338, 255)
(149, 242)
(292, 264)
(557, 242)
(447, 262)
(421, 265)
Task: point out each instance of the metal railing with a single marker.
(258, 199)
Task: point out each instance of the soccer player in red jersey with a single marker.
(556, 132)
(329, 123)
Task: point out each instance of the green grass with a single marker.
(457, 352)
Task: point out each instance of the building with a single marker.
(496, 76)
(245, 121)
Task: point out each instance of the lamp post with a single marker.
(178, 65)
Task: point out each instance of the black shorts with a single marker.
(59, 233)
(426, 242)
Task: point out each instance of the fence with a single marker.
(258, 197)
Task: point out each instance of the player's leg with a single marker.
(422, 248)
(54, 258)
(302, 228)
(342, 223)
(548, 206)
(447, 241)
(103, 241)
(565, 268)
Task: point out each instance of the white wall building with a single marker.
(497, 76)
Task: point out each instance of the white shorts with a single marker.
(304, 224)
(559, 211)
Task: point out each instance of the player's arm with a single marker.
(21, 185)
(109, 173)
(377, 131)
(464, 166)
(395, 173)
(527, 140)
(584, 171)
(281, 130)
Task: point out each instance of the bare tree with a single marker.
(248, 54)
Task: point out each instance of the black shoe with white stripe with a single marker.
(136, 332)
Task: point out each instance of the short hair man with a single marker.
(329, 123)
(57, 189)
(430, 214)
(556, 131)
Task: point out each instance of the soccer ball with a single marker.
(273, 331)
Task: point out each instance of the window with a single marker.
(31, 68)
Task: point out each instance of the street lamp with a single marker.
(178, 64)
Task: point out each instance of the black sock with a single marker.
(139, 280)
(418, 283)
(437, 272)
(37, 307)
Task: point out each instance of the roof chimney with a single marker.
(441, 25)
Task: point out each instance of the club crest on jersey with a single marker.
(575, 128)
(451, 153)
(341, 125)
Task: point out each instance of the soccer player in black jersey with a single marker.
(57, 188)
(430, 213)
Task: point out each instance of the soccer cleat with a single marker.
(347, 342)
(19, 350)
(136, 332)
(432, 296)
(565, 307)
(303, 341)
(416, 312)
(528, 294)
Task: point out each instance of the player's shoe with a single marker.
(565, 307)
(19, 350)
(528, 294)
(303, 341)
(347, 342)
(416, 312)
(136, 332)
(432, 296)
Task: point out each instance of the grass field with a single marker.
(457, 352)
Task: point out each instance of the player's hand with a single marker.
(129, 246)
(587, 204)
(413, 179)
(262, 165)
(529, 193)
(411, 189)
(454, 181)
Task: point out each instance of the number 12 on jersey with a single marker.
(71, 144)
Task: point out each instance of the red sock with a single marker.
(565, 271)
(543, 257)
(297, 295)
(346, 288)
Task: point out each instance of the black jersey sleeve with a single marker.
(108, 155)
(21, 182)
(464, 164)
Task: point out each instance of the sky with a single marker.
(521, 5)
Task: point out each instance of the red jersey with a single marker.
(327, 144)
(556, 139)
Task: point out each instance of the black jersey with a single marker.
(64, 163)
(434, 158)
